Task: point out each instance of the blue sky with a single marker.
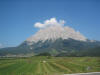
(17, 17)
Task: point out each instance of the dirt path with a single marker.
(92, 73)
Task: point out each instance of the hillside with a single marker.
(56, 40)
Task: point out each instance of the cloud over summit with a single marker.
(50, 22)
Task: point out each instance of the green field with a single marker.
(48, 66)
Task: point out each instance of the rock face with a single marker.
(55, 32)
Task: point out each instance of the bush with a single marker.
(44, 54)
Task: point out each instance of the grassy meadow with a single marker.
(48, 65)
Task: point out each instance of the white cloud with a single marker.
(50, 22)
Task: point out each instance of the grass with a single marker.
(52, 66)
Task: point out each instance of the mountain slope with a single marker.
(55, 32)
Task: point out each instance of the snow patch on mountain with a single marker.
(55, 32)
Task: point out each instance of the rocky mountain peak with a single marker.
(56, 32)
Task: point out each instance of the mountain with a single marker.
(56, 40)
